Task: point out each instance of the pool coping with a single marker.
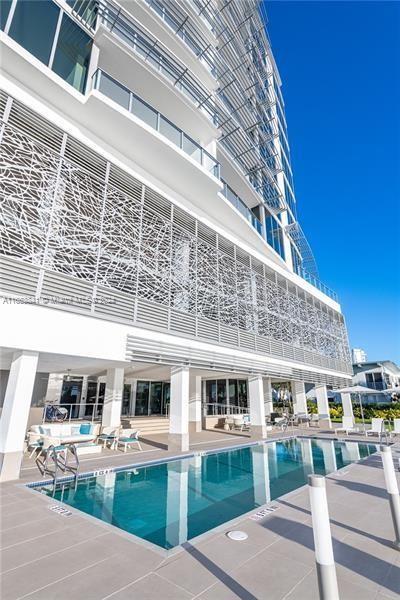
(32, 486)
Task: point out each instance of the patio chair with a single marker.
(228, 423)
(301, 418)
(314, 420)
(127, 438)
(281, 422)
(241, 423)
(347, 426)
(376, 427)
(109, 435)
(34, 443)
(396, 427)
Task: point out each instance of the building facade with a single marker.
(358, 355)
(151, 254)
(381, 376)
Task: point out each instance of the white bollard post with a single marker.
(326, 570)
(393, 491)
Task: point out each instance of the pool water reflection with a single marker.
(170, 503)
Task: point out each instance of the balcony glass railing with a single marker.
(241, 206)
(317, 283)
(146, 113)
(256, 223)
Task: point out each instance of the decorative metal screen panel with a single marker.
(65, 220)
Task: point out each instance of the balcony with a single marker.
(238, 203)
(241, 207)
(154, 119)
(317, 284)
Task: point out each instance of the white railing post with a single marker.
(393, 491)
(326, 570)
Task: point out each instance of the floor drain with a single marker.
(237, 535)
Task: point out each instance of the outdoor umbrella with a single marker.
(393, 390)
(358, 390)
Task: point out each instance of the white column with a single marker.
(54, 387)
(262, 492)
(322, 402)
(15, 413)
(268, 402)
(177, 503)
(347, 405)
(113, 398)
(195, 403)
(178, 438)
(299, 397)
(257, 408)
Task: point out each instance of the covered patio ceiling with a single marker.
(77, 365)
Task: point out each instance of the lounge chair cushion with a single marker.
(85, 428)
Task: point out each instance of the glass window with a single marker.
(221, 391)
(211, 391)
(71, 59)
(233, 392)
(144, 112)
(242, 392)
(4, 10)
(170, 131)
(113, 90)
(34, 25)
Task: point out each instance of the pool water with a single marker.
(172, 502)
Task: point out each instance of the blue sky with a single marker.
(340, 65)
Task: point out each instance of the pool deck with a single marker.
(49, 556)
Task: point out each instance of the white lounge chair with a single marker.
(396, 427)
(376, 427)
(34, 443)
(128, 437)
(228, 423)
(347, 426)
(241, 423)
(109, 435)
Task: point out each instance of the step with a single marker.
(147, 425)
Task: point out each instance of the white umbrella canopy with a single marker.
(311, 394)
(358, 389)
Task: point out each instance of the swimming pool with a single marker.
(172, 502)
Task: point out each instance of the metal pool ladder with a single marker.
(59, 460)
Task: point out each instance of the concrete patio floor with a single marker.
(46, 555)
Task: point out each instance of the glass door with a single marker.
(165, 398)
(142, 398)
(155, 397)
(90, 398)
(126, 400)
(71, 394)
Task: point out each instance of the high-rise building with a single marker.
(358, 355)
(152, 261)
